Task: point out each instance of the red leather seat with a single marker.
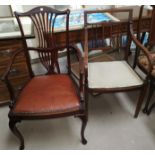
(48, 94)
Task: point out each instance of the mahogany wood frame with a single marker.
(48, 50)
(131, 37)
(150, 43)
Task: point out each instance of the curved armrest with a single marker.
(4, 78)
(81, 62)
(5, 75)
(80, 56)
(81, 68)
(71, 47)
(46, 49)
(144, 49)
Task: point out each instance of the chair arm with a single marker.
(5, 79)
(81, 62)
(5, 75)
(81, 68)
(80, 56)
(46, 49)
(71, 47)
(143, 48)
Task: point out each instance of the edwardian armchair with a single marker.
(115, 73)
(54, 94)
(147, 63)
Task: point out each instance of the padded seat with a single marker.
(143, 62)
(48, 94)
(100, 58)
(112, 74)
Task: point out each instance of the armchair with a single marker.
(115, 74)
(52, 95)
(147, 63)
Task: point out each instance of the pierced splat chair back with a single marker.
(107, 32)
(46, 22)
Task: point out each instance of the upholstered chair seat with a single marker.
(112, 74)
(54, 94)
(143, 62)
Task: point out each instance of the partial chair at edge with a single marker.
(147, 63)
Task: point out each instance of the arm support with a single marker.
(5, 79)
(143, 49)
(81, 68)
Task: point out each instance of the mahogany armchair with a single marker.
(147, 63)
(114, 74)
(52, 95)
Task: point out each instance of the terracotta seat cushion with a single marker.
(143, 62)
(48, 94)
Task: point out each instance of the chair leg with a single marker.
(151, 90)
(150, 109)
(84, 123)
(13, 128)
(140, 101)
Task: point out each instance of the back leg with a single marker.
(150, 109)
(151, 90)
(140, 100)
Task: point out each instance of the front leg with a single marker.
(84, 123)
(15, 131)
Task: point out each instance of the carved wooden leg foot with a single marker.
(84, 123)
(13, 128)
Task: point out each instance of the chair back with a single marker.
(106, 31)
(46, 23)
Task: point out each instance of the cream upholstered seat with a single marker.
(112, 74)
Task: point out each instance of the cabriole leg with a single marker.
(15, 131)
(84, 123)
